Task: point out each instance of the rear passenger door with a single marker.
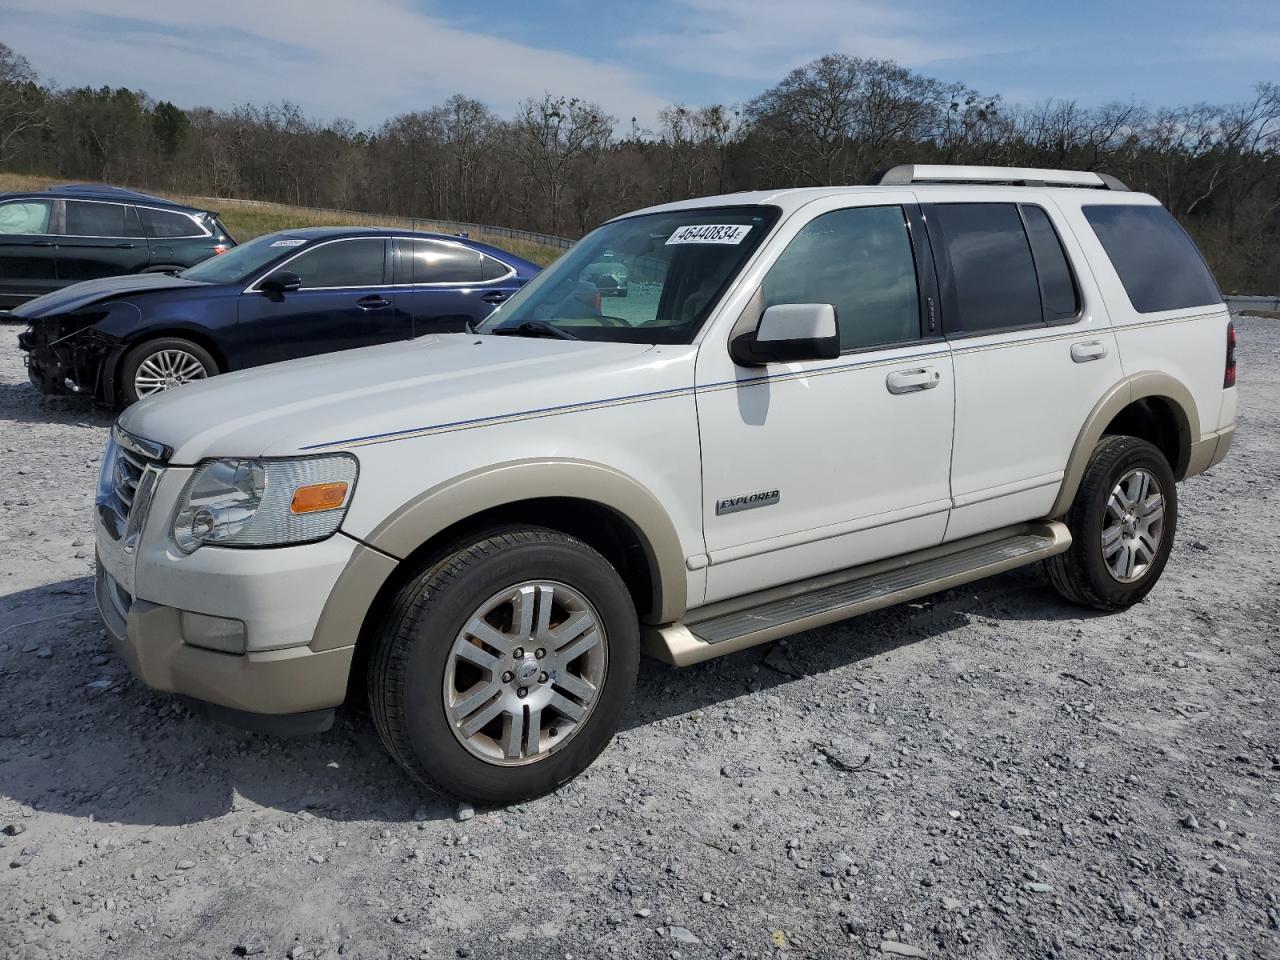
(1033, 353)
(100, 239)
(442, 286)
(815, 466)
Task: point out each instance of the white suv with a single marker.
(811, 403)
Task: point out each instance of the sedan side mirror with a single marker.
(280, 282)
(788, 332)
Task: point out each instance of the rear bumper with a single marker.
(1210, 450)
(273, 691)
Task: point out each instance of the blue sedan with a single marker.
(284, 295)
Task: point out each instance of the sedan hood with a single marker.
(336, 400)
(93, 291)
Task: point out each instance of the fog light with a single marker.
(213, 633)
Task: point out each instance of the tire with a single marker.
(1097, 574)
(160, 351)
(424, 683)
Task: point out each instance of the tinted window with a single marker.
(992, 281)
(86, 219)
(859, 261)
(165, 223)
(491, 269)
(1160, 267)
(25, 216)
(1057, 283)
(429, 261)
(343, 263)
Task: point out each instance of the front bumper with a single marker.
(144, 584)
(77, 365)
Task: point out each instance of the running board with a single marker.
(780, 613)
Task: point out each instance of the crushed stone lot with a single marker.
(989, 773)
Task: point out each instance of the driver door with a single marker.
(811, 467)
(345, 302)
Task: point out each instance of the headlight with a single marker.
(259, 503)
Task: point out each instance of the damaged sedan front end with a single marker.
(77, 353)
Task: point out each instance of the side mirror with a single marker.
(280, 283)
(788, 332)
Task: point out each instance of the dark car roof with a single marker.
(97, 191)
(333, 233)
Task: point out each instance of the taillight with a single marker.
(1229, 378)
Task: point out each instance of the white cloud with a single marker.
(762, 40)
(363, 60)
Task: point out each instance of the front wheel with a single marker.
(503, 669)
(162, 364)
(1122, 524)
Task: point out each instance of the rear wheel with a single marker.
(158, 365)
(503, 669)
(1122, 524)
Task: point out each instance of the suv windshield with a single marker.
(240, 263)
(646, 279)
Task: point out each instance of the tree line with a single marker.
(559, 166)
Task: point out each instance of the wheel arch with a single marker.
(1151, 405)
(607, 509)
(196, 335)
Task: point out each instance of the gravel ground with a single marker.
(986, 774)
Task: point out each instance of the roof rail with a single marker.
(907, 173)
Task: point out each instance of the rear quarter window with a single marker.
(1157, 262)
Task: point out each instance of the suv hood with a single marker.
(332, 401)
(93, 291)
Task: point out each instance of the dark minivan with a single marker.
(63, 235)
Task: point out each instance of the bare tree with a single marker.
(551, 136)
(22, 102)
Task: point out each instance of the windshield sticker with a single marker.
(288, 243)
(730, 233)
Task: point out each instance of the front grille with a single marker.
(124, 473)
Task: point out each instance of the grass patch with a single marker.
(247, 220)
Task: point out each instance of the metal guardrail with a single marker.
(1253, 303)
(414, 223)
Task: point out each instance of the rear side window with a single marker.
(85, 219)
(1057, 284)
(25, 216)
(1157, 262)
(491, 269)
(163, 224)
(429, 261)
(344, 263)
(860, 261)
(992, 281)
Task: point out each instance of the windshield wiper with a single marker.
(534, 328)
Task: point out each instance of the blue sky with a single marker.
(369, 59)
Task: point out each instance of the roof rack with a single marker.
(907, 173)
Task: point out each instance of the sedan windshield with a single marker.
(647, 279)
(240, 263)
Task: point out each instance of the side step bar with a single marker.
(724, 628)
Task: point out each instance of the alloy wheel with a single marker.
(1133, 526)
(166, 369)
(525, 672)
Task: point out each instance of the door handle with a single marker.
(42, 243)
(125, 246)
(910, 381)
(496, 297)
(373, 303)
(1084, 352)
